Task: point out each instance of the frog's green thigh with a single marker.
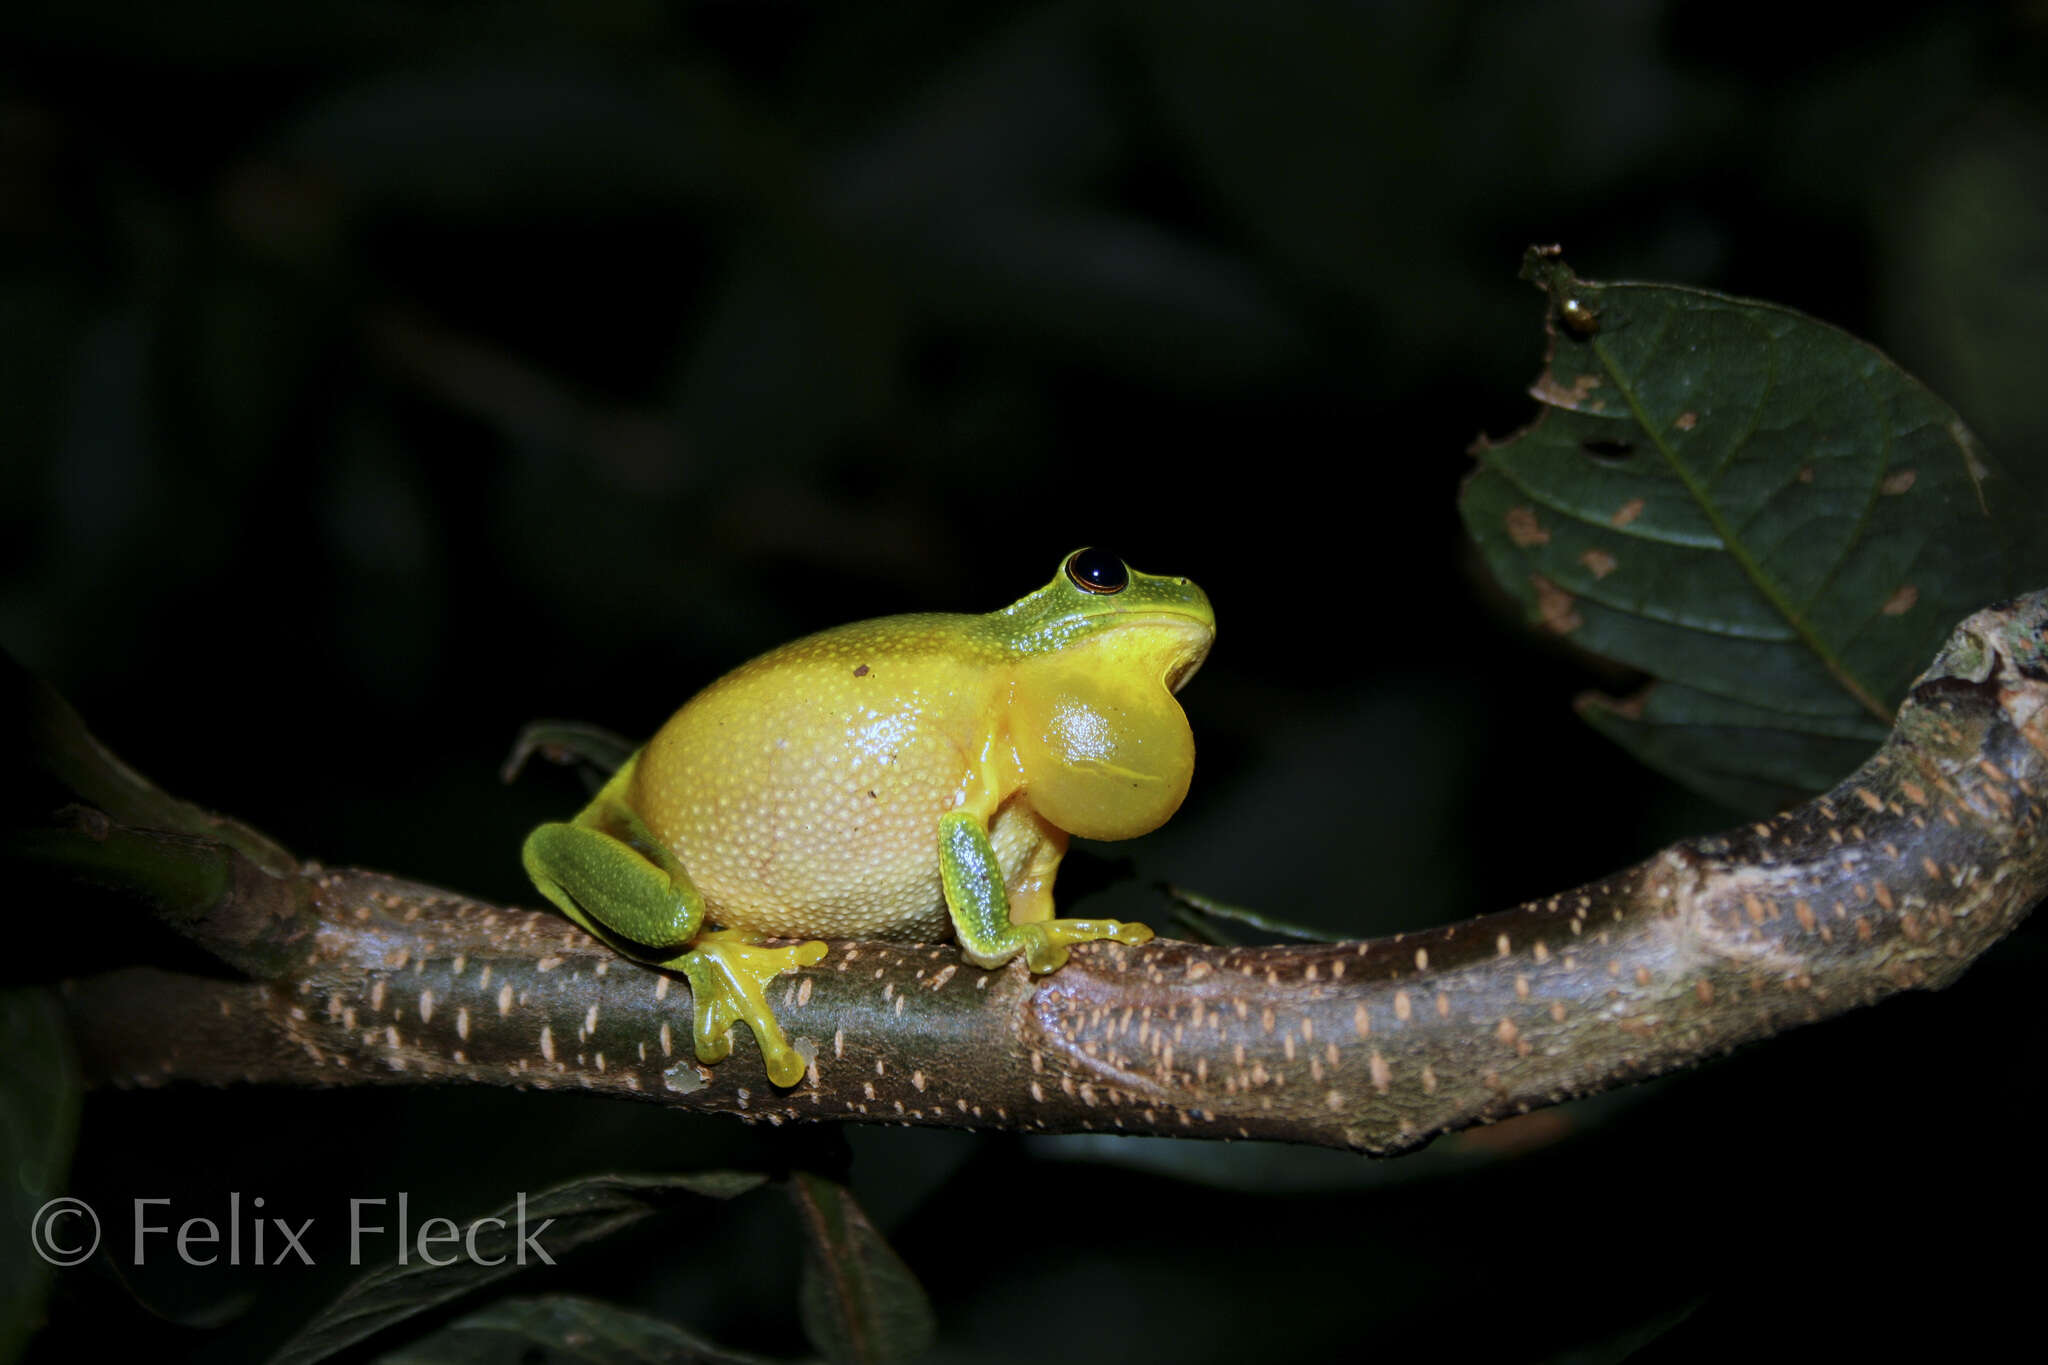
(635, 891)
(636, 897)
(981, 907)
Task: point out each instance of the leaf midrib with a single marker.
(1734, 547)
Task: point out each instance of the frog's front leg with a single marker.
(633, 893)
(980, 906)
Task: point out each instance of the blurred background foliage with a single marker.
(377, 377)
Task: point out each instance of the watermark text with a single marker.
(67, 1231)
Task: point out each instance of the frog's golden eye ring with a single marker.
(1097, 571)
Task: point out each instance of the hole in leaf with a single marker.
(1608, 450)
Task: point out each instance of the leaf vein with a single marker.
(1773, 592)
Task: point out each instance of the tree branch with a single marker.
(1894, 880)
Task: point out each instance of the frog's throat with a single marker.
(1192, 635)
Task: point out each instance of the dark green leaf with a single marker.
(1741, 755)
(1963, 278)
(38, 1120)
(860, 1303)
(593, 751)
(550, 1328)
(550, 1225)
(1761, 512)
(53, 740)
(1206, 909)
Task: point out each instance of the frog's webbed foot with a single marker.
(1043, 943)
(729, 972)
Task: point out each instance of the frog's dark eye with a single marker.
(1097, 571)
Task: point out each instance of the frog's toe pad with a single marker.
(728, 978)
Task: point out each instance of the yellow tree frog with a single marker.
(889, 779)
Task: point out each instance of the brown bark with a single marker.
(1895, 880)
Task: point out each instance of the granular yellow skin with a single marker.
(897, 779)
(803, 790)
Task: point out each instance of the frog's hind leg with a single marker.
(630, 891)
(729, 971)
(608, 872)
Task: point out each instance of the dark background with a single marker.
(375, 378)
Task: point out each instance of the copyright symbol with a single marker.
(57, 1236)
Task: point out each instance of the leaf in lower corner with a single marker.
(552, 1327)
(39, 1098)
(860, 1304)
(1761, 512)
(536, 1230)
